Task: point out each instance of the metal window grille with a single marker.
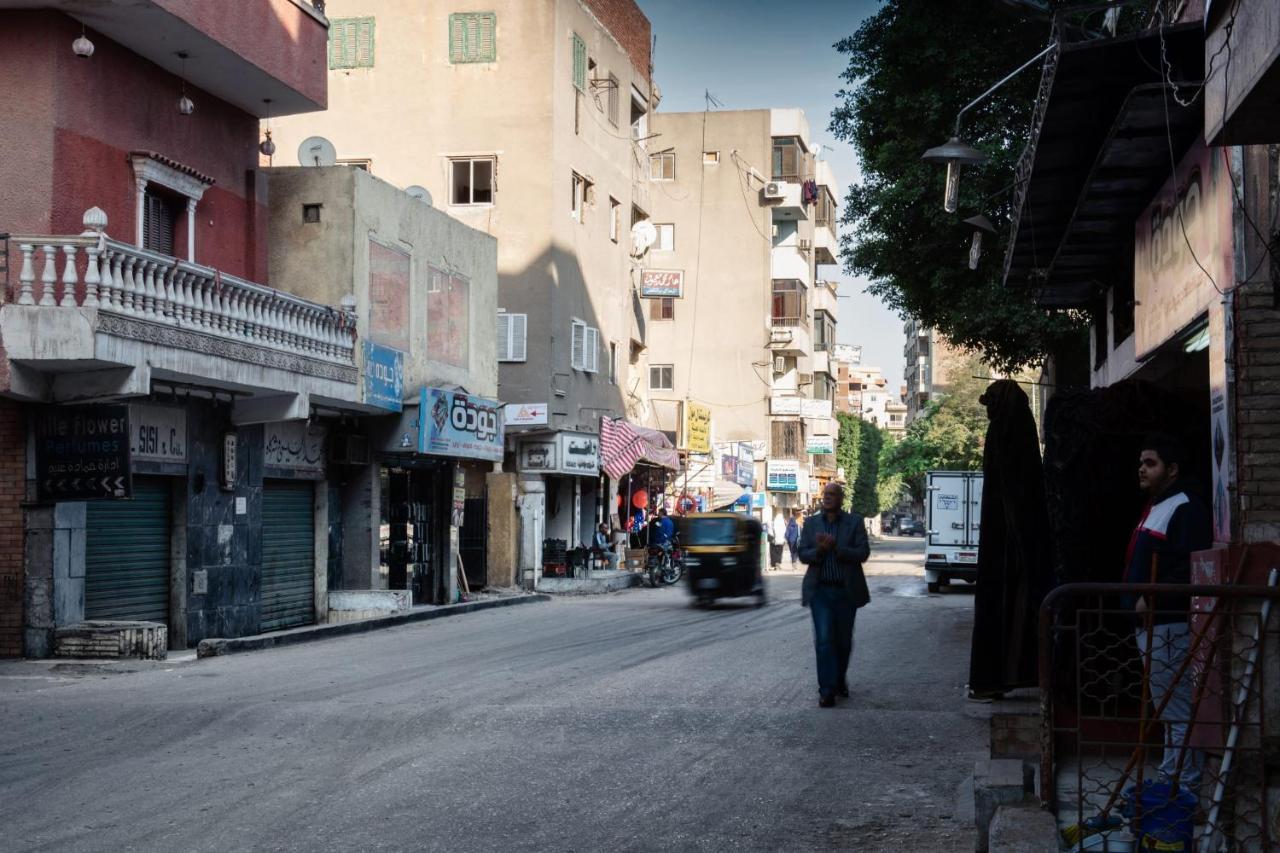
(788, 440)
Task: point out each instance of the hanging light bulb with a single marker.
(981, 225)
(186, 106)
(82, 47)
(267, 147)
(954, 154)
(951, 197)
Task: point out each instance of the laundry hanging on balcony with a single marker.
(623, 444)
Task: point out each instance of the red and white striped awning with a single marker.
(623, 444)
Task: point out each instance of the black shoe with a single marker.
(826, 701)
(843, 691)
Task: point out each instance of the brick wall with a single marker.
(13, 457)
(1258, 408)
(624, 20)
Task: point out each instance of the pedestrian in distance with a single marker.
(1174, 524)
(834, 545)
(793, 536)
(777, 537)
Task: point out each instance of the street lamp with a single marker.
(956, 153)
(980, 225)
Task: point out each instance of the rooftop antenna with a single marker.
(711, 100)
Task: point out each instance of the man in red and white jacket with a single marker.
(1175, 524)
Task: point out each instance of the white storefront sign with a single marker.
(782, 475)
(157, 433)
(525, 414)
(785, 405)
(816, 409)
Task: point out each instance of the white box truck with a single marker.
(953, 510)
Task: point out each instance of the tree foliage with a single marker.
(911, 67)
(859, 451)
(947, 437)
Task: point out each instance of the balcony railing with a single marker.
(93, 271)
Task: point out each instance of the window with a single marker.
(351, 43)
(787, 440)
(472, 37)
(363, 163)
(511, 336)
(311, 212)
(585, 342)
(448, 317)
(615, 218)
(615, 99)
(710, 158)
(788, 158)
(579, 63)
(159, 222)
(662, 377)
(666, 241)
(824, 387)
(824, 331)
(826, 214)
(789, 303)
(662, 166)
(583, 195)
(613, 363)
(663, 308)
(472, 181)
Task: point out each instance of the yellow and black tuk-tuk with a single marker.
(722, 556)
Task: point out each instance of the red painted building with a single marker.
(149, 111)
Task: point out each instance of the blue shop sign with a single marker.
(383, 377)
(453, 423)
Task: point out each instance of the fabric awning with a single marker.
(727, 493)
(623, 444)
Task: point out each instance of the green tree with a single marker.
(865, 497)
(848, 451)
(890, 488)
(911, 66)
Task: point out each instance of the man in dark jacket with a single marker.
(834, 545)
(1174, 524)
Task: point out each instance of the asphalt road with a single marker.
(621, 722)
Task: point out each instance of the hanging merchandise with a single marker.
(640, 499)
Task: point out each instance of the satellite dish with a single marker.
(317, 151)
(643, 235)
(420, 193)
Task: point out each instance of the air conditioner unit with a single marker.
(349, 450)
(804, 379)
(779, 364)
(805, 245)
(775, 190)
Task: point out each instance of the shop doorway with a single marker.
(472, 543)
(416, 499)
(288, 554)
(126, 567)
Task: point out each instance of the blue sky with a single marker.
(754, 54)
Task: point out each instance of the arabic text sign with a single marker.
(820, 445)
(451, 423)
(579, 453)
(82, 453)
(294, 447)
(697, 428)
(661, 284)
(783, 475)
(383, 377)
(818, 409)
(785, 405)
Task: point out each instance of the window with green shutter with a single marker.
(351, 43)
(579, 63)
(473, 37)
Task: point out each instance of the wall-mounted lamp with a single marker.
(82, 47)
(980, 225)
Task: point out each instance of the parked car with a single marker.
(910, 527)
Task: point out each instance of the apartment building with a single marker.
(745, 216)
(929, 358)
(527, 120)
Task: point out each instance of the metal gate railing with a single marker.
(1176, 749)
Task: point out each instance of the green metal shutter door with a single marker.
(288, 555)
(126, 566)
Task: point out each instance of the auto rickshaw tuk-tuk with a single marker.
(722, 556)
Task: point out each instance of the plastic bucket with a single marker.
(1161, 819)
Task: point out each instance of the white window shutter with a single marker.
(519, 323)
(591, 361)
(578, 345)
(504, 337)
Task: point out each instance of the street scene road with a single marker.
(619, 722)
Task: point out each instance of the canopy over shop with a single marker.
(639, 462)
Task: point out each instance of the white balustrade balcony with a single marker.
(76, 298)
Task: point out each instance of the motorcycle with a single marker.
(665, 566)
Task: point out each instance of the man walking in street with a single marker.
(834, 545)
(793, 536)
(1174, 524)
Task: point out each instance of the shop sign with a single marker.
(525, 414)
(819, 445)
(538, 455)
(783, 475)
(746, 465)
(157, 433)
(697, 428)
(729, 463)
(383, 377)
(785, 405)
(758, 500)
(458, 514)
(579, 454)
(816, 409)
(1170, 288)
(451, 423)
(82, 453)
(661, 284)
(295, 447)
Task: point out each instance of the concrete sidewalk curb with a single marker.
(214, 647)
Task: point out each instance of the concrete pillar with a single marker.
(575, 522)
(179, 585)
(320, 538)
(361, 518)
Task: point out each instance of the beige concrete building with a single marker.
(929, 358)
(744, 214)
(528, 120)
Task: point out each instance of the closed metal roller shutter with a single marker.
(288, 555)
(126, 566)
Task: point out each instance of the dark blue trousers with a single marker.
(833, 617)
